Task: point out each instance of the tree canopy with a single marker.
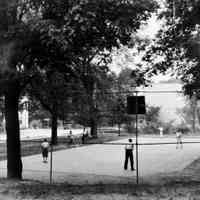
(45, 36)
(176, 46)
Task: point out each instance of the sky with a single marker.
(152, 27)
(146, 31)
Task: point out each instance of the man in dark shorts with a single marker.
(129, 155)
(45, 150)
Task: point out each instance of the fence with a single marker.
(100, 161)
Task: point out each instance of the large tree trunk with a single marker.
(194, 113)
(93, 125)
(14, 163)
(119, 128)
(194, 122)
(54, 126)
(93, 120)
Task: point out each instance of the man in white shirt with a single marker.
(45, 150)
(129, 155)
(179, 139)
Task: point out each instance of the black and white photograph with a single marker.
(99, 99)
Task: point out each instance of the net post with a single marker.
(51, 162)
(136, 137)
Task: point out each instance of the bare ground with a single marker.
(175, 186)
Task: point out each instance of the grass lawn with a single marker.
(172, 190)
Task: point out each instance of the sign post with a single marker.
(136, 138)
(136, 105)
(51, 162)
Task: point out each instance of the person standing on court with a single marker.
(45, 150)
(179, 139)
(129, 155)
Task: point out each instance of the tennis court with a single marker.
(108, 159)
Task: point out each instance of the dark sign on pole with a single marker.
(136, 105)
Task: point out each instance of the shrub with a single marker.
(149, 129)
(184, 129)
(130, 128)
(35, 124)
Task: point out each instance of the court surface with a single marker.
(109, 159)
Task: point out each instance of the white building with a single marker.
(163, 95)
(24, 115)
